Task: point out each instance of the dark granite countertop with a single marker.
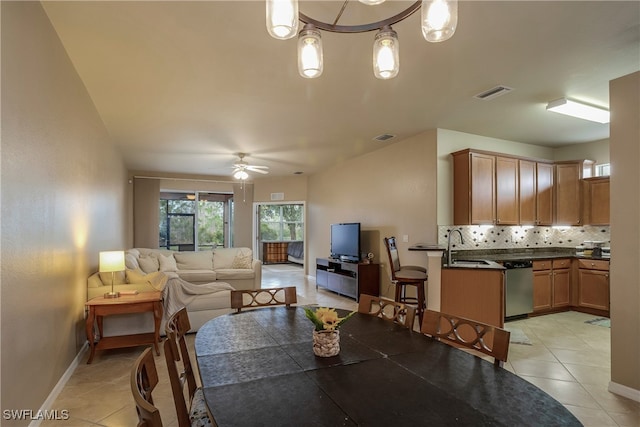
(520, 255)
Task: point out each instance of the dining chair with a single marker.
(144, 378)
(472, 334)
(408, 275)
(263, 297)
(397, 312)
(193, 413)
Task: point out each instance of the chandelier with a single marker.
(439, 21)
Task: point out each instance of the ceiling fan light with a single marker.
(386, 57)
(439, 19)
(241, 174)
(310, 57)
(579, 110)
(371, 2)
(282, 18)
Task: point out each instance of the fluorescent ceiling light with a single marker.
(579, 110)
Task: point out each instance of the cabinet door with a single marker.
(568, 194)
(544, 194)
(506, 191)
(599, 202)
(561, 282)
(541, 290)
(593, 289)
(482, 192)
(527, 186)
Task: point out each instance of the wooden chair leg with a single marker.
(421, 301)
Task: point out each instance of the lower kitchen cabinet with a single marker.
(551, 284)
(593, 286)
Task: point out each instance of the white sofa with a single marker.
(146, 268)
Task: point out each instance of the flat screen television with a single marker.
(345, 241)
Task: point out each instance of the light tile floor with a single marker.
(568, 359)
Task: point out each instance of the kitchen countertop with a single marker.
(515, 255)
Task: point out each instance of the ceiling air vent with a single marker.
(494, 92)
(384, 137)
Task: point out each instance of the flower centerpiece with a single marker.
(326, 336)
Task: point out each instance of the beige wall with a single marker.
(624, 94)
(598, 151)
(391, 192)
(294, 188)
(63, 200)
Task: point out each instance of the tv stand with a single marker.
(348, 278)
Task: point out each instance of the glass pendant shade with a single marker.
(386, 58)
(282, 18)
(241, 175)
(310, 61)
(439, 19)
(371, 2)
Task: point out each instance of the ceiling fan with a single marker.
(241, 168)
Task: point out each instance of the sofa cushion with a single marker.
(198, 276)
(131, 261)
(223, 257)
(148, 263)
(118, 278)
(167, 263)
(213, 301)
(202, 260)
(149, 251)
(234, 273)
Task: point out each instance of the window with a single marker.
(603, 169)
(281, 222)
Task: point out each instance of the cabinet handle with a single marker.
(593, 264)
(606, 275)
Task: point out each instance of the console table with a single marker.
(348, 278)
(140, 303)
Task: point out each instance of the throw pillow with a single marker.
(148, 264)
(167, 263)
(242, 261)
(131, 262)
(118, 278)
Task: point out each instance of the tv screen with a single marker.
(345, 241)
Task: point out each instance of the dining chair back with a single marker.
(397, 312)
(194, 411)
(144, 378)
(404, 276)
(263, 297)
(472, 334)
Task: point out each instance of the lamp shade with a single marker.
(439, 19)
(282, 18)
(386, 57)
(111, 261)
(310, 60)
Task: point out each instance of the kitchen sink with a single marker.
(470, 262)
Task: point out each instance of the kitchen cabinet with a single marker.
(474, 293)
(596, 200)
(568, 191)
(535, 182)
(507, 212)
(474, 188)
(593, 286)
(551, 284)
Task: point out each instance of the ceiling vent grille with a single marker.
(494, 92)
(384, 137)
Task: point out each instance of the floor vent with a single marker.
(384, 137)
(493, 93)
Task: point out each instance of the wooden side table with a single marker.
(140, 303)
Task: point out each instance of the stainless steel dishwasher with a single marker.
(518, 288)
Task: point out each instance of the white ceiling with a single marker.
(184, 86)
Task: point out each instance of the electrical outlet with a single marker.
(405, 238)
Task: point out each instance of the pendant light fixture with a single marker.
(386, 58)
(310, 52)
(439, 21)
(282, 18)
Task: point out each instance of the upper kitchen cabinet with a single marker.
(596, 200)
(568, 191)
(473, 188)
(507, 206)
(535, 192)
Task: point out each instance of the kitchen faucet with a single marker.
(449, 244)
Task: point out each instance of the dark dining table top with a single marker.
(258, 369)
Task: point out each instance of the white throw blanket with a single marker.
(178, 293)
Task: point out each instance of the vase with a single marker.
(326, 343)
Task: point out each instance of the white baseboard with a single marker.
(48, 403)
(624, 391)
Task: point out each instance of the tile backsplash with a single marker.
(521, 237)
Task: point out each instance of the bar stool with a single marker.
(408, 275)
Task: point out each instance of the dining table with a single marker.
(258, 368)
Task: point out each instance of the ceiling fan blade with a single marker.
(257, 167)
(258, 170)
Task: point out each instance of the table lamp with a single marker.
(110, 262)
